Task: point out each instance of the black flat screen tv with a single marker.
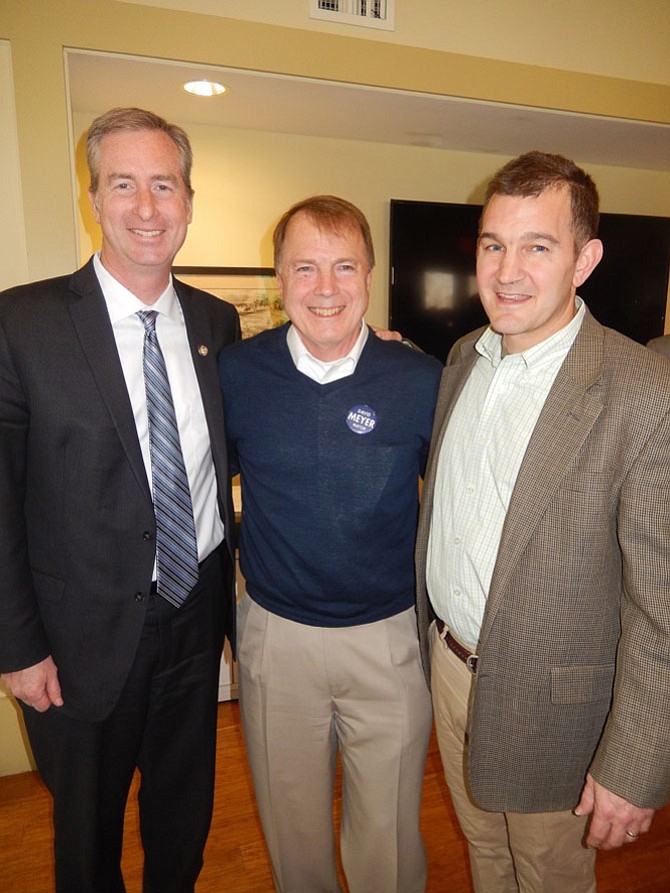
(433, 292)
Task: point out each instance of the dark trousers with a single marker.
(165, 725)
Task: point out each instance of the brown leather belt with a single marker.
(461, 652)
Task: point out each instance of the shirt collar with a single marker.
(320, 370)
(489, 344)
(121, 302)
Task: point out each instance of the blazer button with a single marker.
(139, 596)
(147, 536)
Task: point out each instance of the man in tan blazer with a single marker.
(543, 564)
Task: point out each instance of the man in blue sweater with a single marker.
(330, 429)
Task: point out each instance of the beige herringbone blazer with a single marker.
(574, 670)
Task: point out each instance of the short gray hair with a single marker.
(135, 119)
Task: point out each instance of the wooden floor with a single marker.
(235, 859)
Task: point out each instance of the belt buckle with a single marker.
(471, 662)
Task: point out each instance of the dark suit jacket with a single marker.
(76, 518)
(574, 670)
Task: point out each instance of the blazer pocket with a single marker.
(48, 588)
(581, 684)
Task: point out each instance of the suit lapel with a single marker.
(204, 354)
(94, 330)
(452, 383)
(572, 408)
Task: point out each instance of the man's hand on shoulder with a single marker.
(392, 335)
(386, 334)
(36, 686)
(614, 821)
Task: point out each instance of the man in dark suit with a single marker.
(542, 553)
(111, 617)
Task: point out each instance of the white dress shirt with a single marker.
(128, 330)
(479, 461)
(319, 370)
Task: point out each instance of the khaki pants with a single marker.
(509, 852)
(308, 692)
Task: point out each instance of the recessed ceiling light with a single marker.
(204, 88)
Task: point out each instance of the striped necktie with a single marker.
(176, 548)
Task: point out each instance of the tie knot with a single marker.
(148, 318)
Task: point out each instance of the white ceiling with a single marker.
(276, 103)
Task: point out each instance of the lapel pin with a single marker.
(203, 350)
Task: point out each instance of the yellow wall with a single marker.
(14, 750)
(13, 258)
(607, 57)
(618, 38)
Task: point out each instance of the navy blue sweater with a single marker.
(329, 477)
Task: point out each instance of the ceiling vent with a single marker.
(368, 13)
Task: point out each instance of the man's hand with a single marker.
(614, 821)
(386, 334)
(36, 686)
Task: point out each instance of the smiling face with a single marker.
(528, 268)
(324, 278)
(143, 207)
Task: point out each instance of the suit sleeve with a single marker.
(633, 758)
(22, 638)
(660, 345)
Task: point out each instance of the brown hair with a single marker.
(330, 213)
(135, 119)
(535, 172)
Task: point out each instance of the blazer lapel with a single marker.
(204, 353)
(453, 379)
(94, 330)
(204, 350)
(569, 413)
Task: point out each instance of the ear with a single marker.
(280, 284)
(588, 259)
(368, 280)
(94, 204)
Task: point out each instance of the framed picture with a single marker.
(253, 290)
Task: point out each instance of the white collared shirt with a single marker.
(478, 464)
(319, 370)
(128, 330)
